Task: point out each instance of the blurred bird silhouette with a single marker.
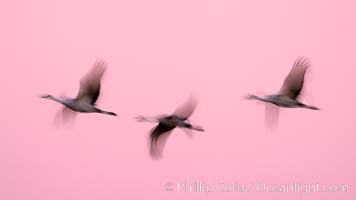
(87, 96)
(166, 123)
(288, 95)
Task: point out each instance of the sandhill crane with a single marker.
(88, 93)
(166, 123)
(287, 96)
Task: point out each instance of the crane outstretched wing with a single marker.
(187, 108)
(293, 83)
(90, 84)
(157, 140)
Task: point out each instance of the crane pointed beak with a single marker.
(139, 118)
(248, 96)
(44, 96)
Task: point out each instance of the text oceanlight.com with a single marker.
(299, 187)
(259, 186)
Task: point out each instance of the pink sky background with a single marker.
(158, 51)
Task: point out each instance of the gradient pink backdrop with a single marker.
(158, 52)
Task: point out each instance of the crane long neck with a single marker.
(258, 98)
(55, 99)
(147, 119)
(63, 102)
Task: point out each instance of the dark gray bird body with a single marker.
(88, 93)
(166, 123)
(290, 91)
(283, 101)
